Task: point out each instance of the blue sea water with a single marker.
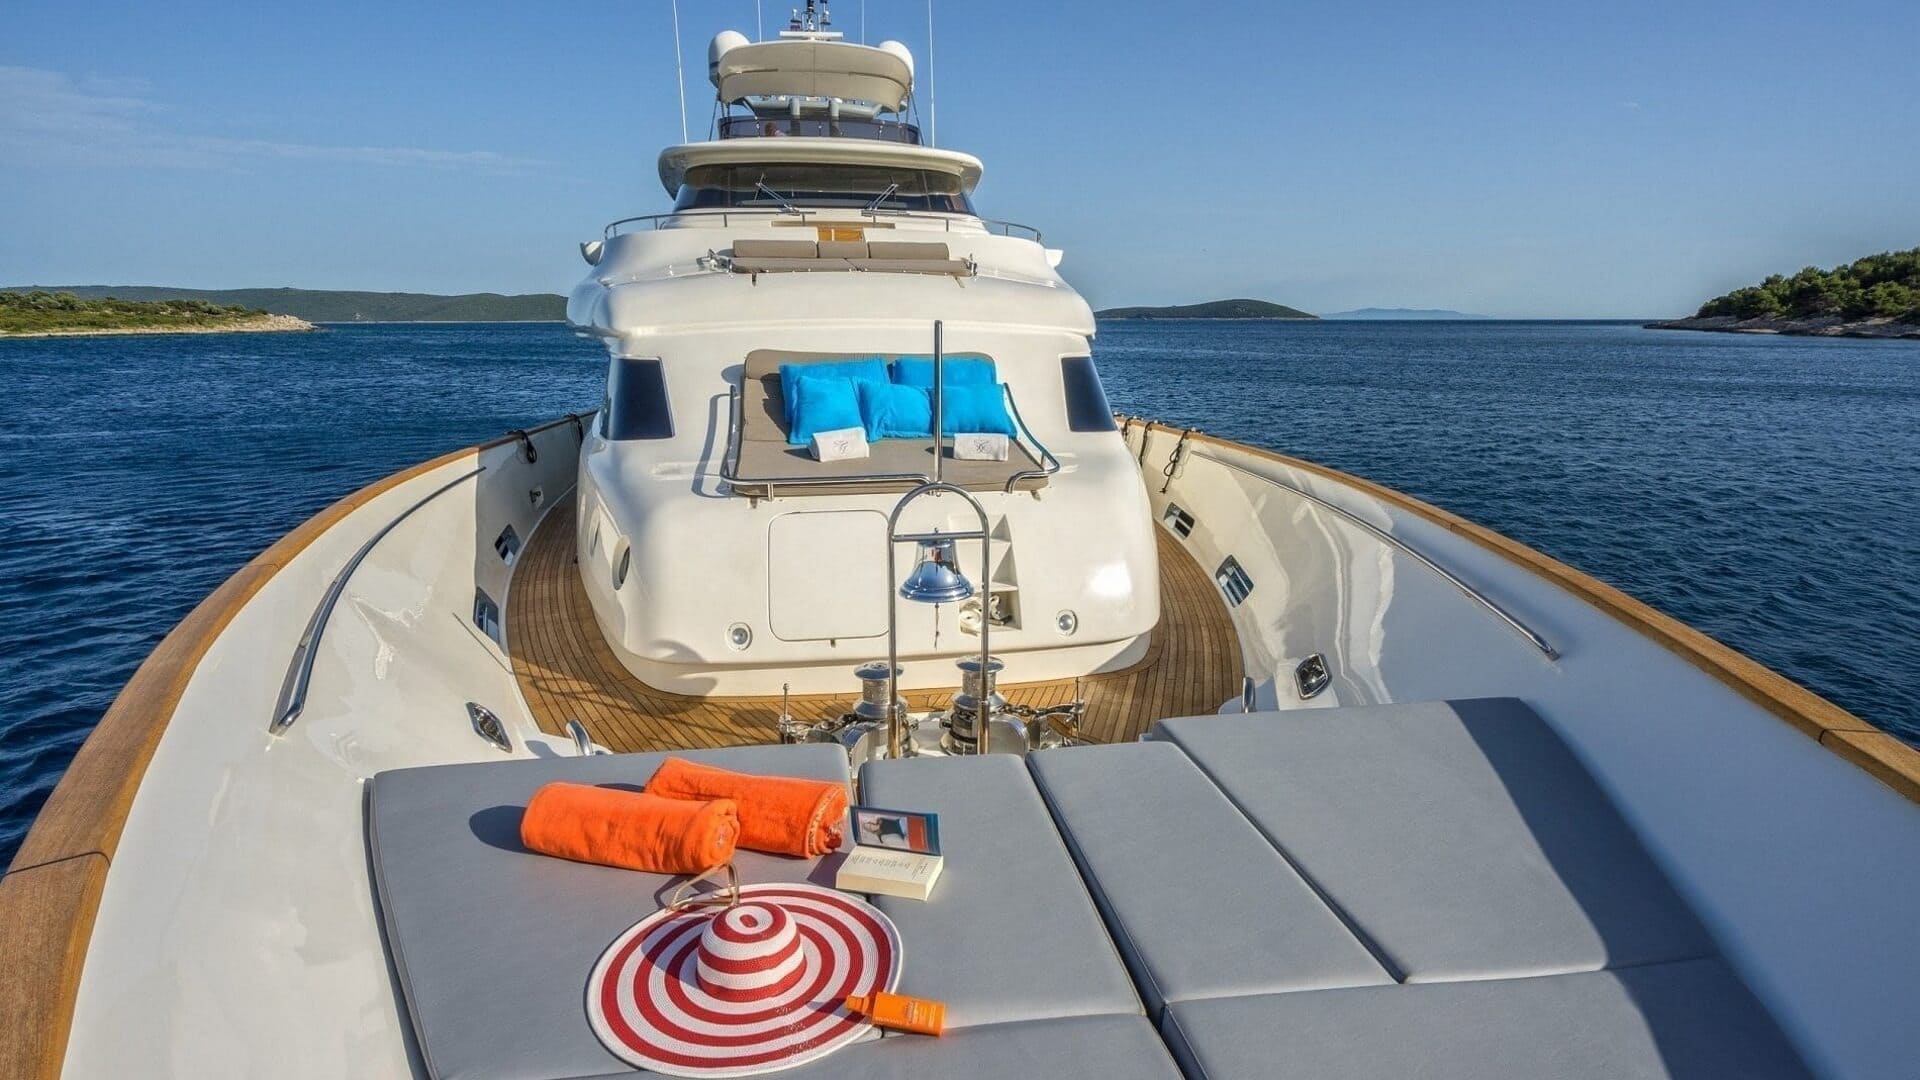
(1761, 489)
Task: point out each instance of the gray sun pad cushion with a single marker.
(1692, 1020)
(1010, 932)
(1083, 1048)
(1462, 840)
(493, 944)
(1200, 904)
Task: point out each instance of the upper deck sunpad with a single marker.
(1154, 838)
(493, 944)
(1010, 932)
(1462, 839)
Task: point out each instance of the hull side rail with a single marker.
(50, 895)
(1878, 753)
(1467, 589)
(293, 691)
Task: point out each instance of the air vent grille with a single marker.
(1233, 581)
(1178, 520)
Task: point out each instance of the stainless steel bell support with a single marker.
(896, 720)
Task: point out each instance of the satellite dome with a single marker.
(899, 50)
(723, 42)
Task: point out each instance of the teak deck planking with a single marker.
(567, 671)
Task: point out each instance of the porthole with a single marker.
(621, 567)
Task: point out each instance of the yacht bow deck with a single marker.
(566, 670)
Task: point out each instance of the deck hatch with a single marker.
(1234, 581)
(827, 575)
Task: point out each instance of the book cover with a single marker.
(895, 853)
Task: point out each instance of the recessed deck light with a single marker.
(1066, 622)
(739, 635)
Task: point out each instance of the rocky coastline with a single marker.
(1817, 326)
(258, 324)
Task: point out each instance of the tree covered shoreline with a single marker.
(63, 313)
(1884, 286)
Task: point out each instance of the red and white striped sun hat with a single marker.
(747, 989)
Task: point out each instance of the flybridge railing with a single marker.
(773, 127)
(728, 218)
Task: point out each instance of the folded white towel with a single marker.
(979, 446)
(840, 444)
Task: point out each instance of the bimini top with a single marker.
(804, 64)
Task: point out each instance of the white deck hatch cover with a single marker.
(827, 575)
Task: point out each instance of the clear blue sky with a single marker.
(1617, 159)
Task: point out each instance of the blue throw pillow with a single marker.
(959, 371)
(869, 369)
(974, 409)
(823, 404)
(896, 412)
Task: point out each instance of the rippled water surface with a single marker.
(1762, 489)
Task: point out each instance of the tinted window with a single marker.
(854, 186)
(637, 401)
(1087, 408)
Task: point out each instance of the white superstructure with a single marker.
(743, 588)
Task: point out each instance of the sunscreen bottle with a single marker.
(899, 1012)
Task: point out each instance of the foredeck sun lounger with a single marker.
(492, 944)
(1434, 889)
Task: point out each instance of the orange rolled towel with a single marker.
(630, 829)
(781, 814)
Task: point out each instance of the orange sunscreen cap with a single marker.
(898, 1012)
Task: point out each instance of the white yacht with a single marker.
(1242, 767)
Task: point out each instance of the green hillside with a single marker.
(62, 312)
(1884, 286)
(1214, 309)
(319, 305)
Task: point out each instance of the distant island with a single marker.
(1878, 296)
(62, 314)
(324, 305)
(1215, 309)
(1401, 313)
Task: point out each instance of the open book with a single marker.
(895, 853)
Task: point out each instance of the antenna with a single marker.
(680, 73)
(933, 126)
(759, 23)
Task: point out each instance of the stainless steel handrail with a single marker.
(293, 689)
(1007, 228)
(1048, 463)
(1512, 620)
